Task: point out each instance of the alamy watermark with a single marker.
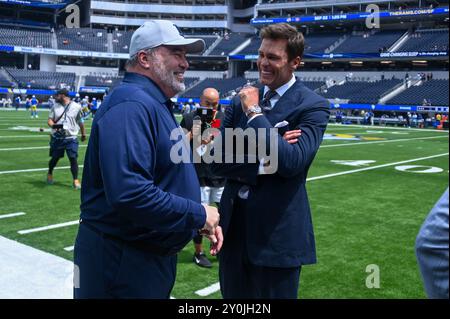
(73, 19)
(373, 20)
(236, 146)
(373, 279)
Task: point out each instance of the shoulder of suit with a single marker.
(308, 95)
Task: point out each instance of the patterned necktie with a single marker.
(265, 104)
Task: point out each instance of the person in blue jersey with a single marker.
(85, 107)
(17, 102)
(34, 103)
(27, 103)
(139, 207)
(94, 106)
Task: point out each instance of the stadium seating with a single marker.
(434, 91)
(209, 40)
(82, 39)
(367, 42)
(314, 43)
(224, 86)
(190, 81)
(121, 41)
(102, 81)
(42, 80)
(426, 40)
(26, 38)
(318, 43)
(252, 48)
(229, 43)
(313, 85)
(4, 82)
(361, 91)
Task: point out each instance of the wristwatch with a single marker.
(253, 109)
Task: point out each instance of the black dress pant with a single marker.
(240, 279)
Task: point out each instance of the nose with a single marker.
(184, 64)
(263, 61)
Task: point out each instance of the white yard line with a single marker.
(24, 130)
(11, 215)
(30, 148)
(26, 136)
(371, 133)
(322, 146)
(208, 290)
(69, 248)
(24, 148)
(385, 128)
(39, 229)
(374, 167)
(29, 273)
(22, 123)
(34, 170)
(384, 141)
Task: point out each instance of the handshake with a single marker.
(212, 230)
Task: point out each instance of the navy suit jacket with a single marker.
(278, 226)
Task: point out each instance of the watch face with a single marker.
(254, 109)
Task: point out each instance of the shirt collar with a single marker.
(148, 84)
(282, 89)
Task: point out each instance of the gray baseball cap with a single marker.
(162, 32)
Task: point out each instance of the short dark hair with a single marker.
(295, 39)
(63, 91)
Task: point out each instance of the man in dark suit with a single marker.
(265, 215)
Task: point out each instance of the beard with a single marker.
(166, 76)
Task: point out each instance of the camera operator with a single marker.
(211, 187)
(65, 119)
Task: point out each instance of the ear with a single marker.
(143, 60)
(295, 63)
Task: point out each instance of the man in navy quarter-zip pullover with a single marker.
(139, 207)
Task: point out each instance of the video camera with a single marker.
(57, 126)
(206, 116)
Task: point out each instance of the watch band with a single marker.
(254, 109)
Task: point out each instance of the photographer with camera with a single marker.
(65, 119)
(211, 187)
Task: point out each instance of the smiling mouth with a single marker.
(179, 76)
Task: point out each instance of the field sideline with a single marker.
(370, 189)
